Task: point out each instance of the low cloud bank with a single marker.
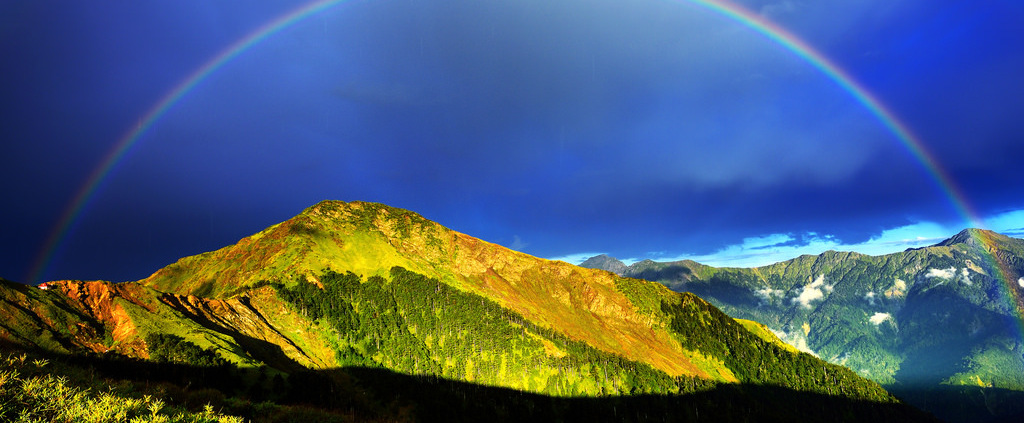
(773, 248)
(950, 274)
(878, 318)
(767, 293)
(941, 273)
(796, 339)
(812, 292)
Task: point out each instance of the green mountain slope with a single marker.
(937, 316)
(348, 286)
(370, 239)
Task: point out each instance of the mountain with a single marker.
(604, 262)
(377, 310)
(935, 320)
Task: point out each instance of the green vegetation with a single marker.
(166, 348)
(31, 392)
(914, 320)
(416, 325)
(755, 360)
(34, 389)
(329, 236)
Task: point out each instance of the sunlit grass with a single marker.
(29, 394)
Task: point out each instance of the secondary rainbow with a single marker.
(726, 9)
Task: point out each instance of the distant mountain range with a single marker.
(928, 323)
(375, 313)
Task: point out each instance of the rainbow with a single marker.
(902, 132)
(912, 143)
(96, 178)
(724, 8)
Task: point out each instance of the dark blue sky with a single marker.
(642, 129)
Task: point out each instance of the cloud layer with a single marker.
(773, 248)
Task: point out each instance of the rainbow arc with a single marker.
(724, 8)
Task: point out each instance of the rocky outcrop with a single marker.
(99, 316)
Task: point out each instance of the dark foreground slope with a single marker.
(109, 388)
(333, 301)
(940, 325)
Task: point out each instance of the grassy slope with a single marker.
(369, 239)
(34, 389)
(539, 361)
(766, 334)
(612, 314)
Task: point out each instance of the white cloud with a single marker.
(811, 292)
(965, 278)
(870, 297)
(767, 293)
(1020, 282)
(766, 241)
(1011, 223)
(795, 338)
(941, 273)
(762, 250)
(878, 318)
(773, 248)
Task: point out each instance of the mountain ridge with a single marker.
(924, 318)
(351, 285)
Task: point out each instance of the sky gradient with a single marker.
(640, 129)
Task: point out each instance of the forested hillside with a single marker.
(945, 318)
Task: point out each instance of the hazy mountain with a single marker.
(944, 316)
(605, 262)
(364, 307)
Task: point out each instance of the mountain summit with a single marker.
(974, 237)
(605, 262)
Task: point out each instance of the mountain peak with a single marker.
(354, 210)
(605, 262)
(972, 236)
